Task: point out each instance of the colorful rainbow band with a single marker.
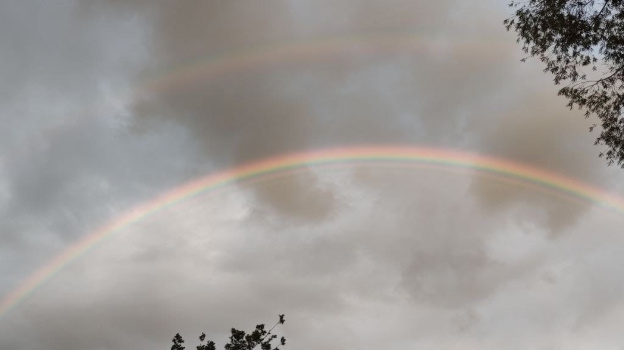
(304, 52)
(370, 155)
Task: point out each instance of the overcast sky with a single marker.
(93, 122)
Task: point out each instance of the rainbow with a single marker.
(306, 52)
(438, 158)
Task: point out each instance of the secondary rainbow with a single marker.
(319, 50)
(447, 159)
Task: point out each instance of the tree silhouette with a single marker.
(571, 37)
(240, 340)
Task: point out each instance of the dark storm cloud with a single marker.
(396, 259)
(299, 197)
(539, 130)
(352, 99)
(384, 97)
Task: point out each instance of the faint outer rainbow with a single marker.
(309, 51)
(298, 53)
(447, 159)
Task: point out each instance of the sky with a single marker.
(107, 105)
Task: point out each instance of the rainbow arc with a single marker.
(400, 155)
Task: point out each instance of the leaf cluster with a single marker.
(571, 37)
(240, 340)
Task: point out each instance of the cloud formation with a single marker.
(356, 256)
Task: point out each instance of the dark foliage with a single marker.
(240, 340)
(573, 38)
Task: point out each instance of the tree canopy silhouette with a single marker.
(574, 38)
(240, 340)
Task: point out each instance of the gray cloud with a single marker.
(538, 130)
(418, 94)
(359, 256)
(67, 161)
(396, 262)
